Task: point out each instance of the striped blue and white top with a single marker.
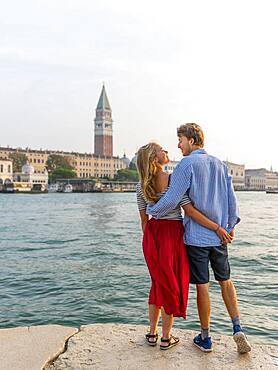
(206, 180)
(173, 214)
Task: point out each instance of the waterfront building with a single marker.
(261, 179)
(169, 168)
(35, 181)
(237, 171)
(103, 127)
(84, 164)
(89, 165)
(125, 160)
(271, 180)
(6, 171)
(255, 179)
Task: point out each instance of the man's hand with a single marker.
(232, 233)
(224, 236)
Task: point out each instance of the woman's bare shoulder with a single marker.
(162, 181)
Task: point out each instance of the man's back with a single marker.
(209, 194)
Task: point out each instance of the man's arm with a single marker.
(233, 214)
(180, 183)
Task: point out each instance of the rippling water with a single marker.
(75, 259)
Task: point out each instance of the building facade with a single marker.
(103, 143)
(271, 180)
(169, 167)
(255, 179)
(6, 170)
(85, 165)
(27, 179)
(237, 171)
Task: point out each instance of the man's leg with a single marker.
(203, 304)
(221, 268)
(199, 275)
(230, 298)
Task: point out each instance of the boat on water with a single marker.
(53, 188)
(271, 191)
(67, 188)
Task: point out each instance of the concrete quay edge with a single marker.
(120, 346)
(32, 347)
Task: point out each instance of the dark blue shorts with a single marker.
(199, 258)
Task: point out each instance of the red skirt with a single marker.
(166, 258)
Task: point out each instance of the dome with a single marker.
(125, 160)
(27, 169)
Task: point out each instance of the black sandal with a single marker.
(151, 336)
(172, 341)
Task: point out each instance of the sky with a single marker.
(163, 64)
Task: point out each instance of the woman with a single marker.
(163, 246)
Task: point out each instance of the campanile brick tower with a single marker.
(103, 127)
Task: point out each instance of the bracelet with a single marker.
(218, 227)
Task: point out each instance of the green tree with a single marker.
(127, 175)
(19, 160)
(57, 161)
(61, 173)
(132, 166)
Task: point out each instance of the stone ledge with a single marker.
(32, 348)
(112, 346)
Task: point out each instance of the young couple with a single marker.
(179, 252)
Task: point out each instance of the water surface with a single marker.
(75, 259)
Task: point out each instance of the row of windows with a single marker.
(237, 174)
(96, 164)
(87, 175)
(2, 168)
(36, 160)
(36, 154)
(19, 179)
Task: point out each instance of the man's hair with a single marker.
(192, 131)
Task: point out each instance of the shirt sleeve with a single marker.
(180, 183)
(185, 200)
(233, 214)
(141, 202)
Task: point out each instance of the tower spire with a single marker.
(103, 126)
(103, 102)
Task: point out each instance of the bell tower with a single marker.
(103, 127)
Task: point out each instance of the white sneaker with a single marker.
(243, 346)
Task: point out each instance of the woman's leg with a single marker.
(154, 315)
(167, 323)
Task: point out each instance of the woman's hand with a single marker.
(143, 225)
(224, 236)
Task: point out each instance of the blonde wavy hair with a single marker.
(147, 170)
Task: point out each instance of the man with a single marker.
(207, 182)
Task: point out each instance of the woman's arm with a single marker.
(202, 220)
(142, 205)
(144, 219)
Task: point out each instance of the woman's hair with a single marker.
(147, 169)
(192, 131)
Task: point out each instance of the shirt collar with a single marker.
(198, 151)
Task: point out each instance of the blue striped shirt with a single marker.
(206, 180)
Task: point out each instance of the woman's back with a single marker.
(162, 182)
